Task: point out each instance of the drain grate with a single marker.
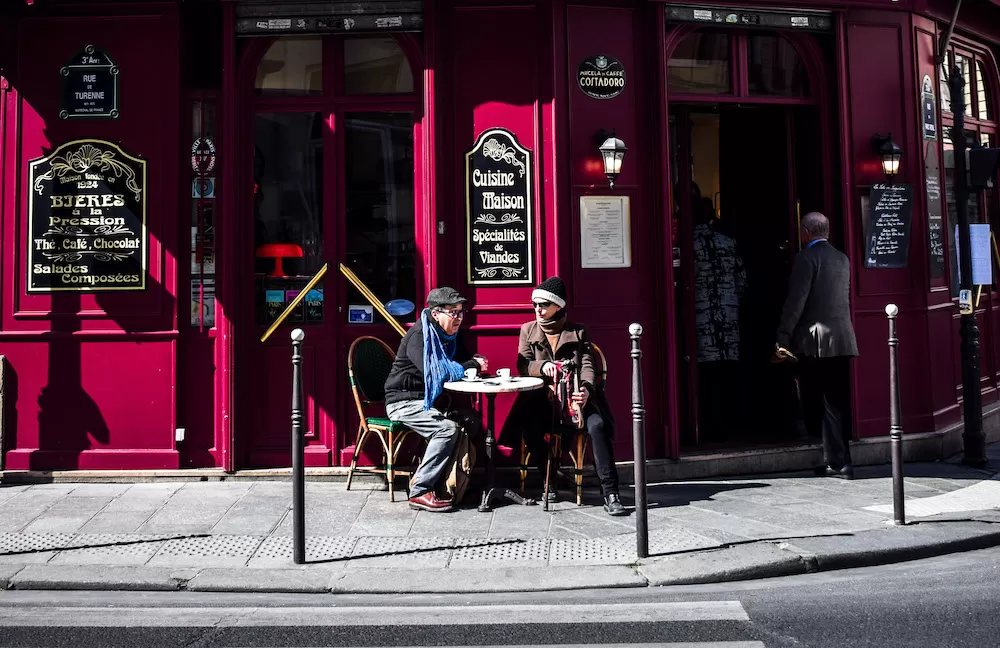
(220, 546)
(14, 543)
(585, 550)
(317, 548)
(536, 550)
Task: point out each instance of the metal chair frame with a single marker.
(390, 435)
(581, 439)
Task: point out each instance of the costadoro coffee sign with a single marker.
(601, 77)
(498, 211)
(87, 219)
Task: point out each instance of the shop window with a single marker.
(292, 66)
(376, 66)
(380, 240)
(963, 64)
(288, 206)
(982, 96)
(700, 65)
(774, 67)
(943, 88)
(203, 168)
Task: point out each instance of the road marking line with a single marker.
(39, 616)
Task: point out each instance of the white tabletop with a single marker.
(495, 385)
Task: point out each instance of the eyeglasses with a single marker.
(456, 314)
(541, 304)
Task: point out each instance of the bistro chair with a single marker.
(369, 361)
(579, 440)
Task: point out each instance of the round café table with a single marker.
(490, 387)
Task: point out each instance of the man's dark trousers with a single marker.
(827, 380)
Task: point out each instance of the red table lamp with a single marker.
(278, 251)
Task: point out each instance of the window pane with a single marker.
(700, 65)
(381, 245)
(293, 65)
(203, 134)
(963, 63)
(982, 100)
(376, 66)
(774, 67)
(943, 89)
(973, 209)
(288, 206)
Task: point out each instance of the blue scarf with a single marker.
(439, 368)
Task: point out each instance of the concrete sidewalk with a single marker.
(236, 536)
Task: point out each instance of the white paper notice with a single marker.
(982, 267)
(605, 232)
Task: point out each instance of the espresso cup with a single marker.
(503, 373)
(470, 373)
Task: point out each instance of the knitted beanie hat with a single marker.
(553, 290)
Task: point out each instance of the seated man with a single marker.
(429, 356)
(548, 338)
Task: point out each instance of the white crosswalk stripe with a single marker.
(444, 615)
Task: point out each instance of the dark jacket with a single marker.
(406, 378)
(816, 318)
(532, 411)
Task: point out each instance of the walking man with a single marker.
(816, 325)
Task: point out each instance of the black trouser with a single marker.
(600, 441)
(828, 382)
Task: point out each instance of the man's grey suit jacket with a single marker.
(816, 318)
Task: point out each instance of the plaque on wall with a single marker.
(601, 77)
(888, 233)
(605, 232)
(498, 196)
(89, 86)
(87, 219)
(928, 111)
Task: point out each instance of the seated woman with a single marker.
(430, 355)
(543, 341)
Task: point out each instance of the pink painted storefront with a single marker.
(243, 127)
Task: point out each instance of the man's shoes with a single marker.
(847, 472)
(430, 502)
(613, 505)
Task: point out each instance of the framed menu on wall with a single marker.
(605, 232)
(498, 211)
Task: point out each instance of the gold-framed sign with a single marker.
(498, 213)
(87, 219)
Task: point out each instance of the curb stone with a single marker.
(71, 577)
(488, 580)
(744, 562)
(7, 572)
(293, 581)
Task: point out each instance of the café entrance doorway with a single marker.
(746, 175)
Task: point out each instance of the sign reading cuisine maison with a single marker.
(498, 210)
(87, 219)
(601, 77)
(89, 86)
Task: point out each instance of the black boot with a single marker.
(613, 505)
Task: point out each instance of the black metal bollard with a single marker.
(298, 454)
(895, 428)
(639, 445)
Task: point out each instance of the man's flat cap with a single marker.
(444, 296)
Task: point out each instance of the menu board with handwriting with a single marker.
(890, 209)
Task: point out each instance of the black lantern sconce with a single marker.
(889, 154)
(612, 153)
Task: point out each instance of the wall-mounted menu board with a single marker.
(498, 211)
(888, 233)
(87, 219)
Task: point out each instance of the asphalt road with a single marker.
(940, 602)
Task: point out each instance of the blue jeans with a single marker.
(441, 434)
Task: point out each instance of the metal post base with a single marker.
(486, 505)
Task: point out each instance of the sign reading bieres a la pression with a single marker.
(87, 219)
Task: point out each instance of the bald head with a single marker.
(815, 226)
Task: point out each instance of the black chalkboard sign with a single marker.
(87, 219)
(498, 211)
(889, 215)
(89, 86)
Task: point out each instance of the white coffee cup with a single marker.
(503, 373)
(470, 374)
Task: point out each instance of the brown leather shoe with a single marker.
(430, 502)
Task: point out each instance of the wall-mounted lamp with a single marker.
(612, 152)
(890, 154)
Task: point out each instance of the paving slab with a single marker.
(486, 580)
(298, 581)
(70, 577)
